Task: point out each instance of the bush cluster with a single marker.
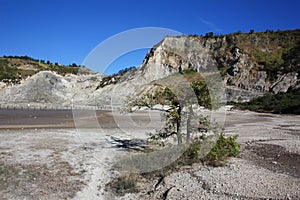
(281, 103)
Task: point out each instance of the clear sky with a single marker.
(65, 31)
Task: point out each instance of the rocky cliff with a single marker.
(248, 64)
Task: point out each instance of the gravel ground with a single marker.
(268, 168)
(33, 165)
(60, 163)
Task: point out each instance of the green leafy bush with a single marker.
(284, 103)
(204, 149)
(224, 147)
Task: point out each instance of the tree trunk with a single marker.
(178, 124)
(188, 124)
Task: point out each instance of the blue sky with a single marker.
(66, 31)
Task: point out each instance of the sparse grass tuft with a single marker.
(124, 184)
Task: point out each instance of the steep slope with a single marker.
(250, 64)
(169, 56)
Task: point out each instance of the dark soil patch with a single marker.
(290, 129)
(39, 181)
(16, 119)
(274, 158)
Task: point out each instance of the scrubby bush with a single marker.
(284, 103)
(224, 148)
(124, 184)
(204, 149)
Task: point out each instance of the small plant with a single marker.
(203, 149)
(192, 154)
(224, 147)
(124, 184)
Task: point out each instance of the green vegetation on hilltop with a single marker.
(274, 52)
(270, 51)
(15, 68)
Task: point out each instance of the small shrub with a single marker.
(124, 184)
(203, 149)
(225, 147)
(192, 154)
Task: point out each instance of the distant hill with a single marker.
(15, 68)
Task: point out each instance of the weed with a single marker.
(124, 184)
(224, 147)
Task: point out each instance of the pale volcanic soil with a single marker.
(43, 156)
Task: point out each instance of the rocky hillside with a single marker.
(248, 64)
(49, 89)
(26, 81)
(15, 68)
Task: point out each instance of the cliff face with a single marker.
(249, 65)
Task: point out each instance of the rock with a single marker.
(2, 85)
(284, 82)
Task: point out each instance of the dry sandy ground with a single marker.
(44, 159)
(43, 155)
